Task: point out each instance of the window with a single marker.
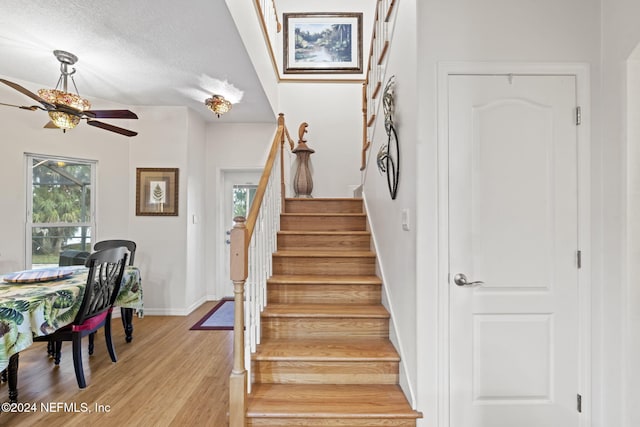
(243, 195)
(60, 207)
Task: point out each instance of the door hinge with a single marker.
(578, 116)
(579, 403)
(579, 258)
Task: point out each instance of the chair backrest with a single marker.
(103, 282)
(108, 244)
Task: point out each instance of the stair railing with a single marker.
(252, 242)
(376, 69)
(271, 26)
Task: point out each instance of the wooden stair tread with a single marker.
(311, 279)
(324, 214)
(328, 401)
(352, 349)
(326, 311)
(326, 232)
(324, 253)
(325, 199)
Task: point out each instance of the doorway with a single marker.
(239, 187)
(512, 285)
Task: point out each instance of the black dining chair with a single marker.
(103, 283)
(126, 314)
(108, 244)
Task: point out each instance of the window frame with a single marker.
(29, 225)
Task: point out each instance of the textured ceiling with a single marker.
(134, 52)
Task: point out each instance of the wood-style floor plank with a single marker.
(168, 376)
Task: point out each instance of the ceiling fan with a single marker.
(66, 109)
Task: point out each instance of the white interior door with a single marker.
(232, 180)
(513, 210)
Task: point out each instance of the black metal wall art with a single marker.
(388, 158)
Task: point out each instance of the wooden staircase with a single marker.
(325, 357)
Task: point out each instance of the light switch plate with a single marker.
(406, 220)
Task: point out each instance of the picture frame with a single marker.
(319, 43)
(157, 191)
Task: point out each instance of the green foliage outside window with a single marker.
(61, 193)
(242, 197)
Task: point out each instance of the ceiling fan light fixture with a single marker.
(218, 104)
(57, 97)
(66, 109)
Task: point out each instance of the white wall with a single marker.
(196, 258)
(620, 303)
(246, 19)
(333, 112)
(631, 296)
(396, 247)
(162, 240)
(505, 31)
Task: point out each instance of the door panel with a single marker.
(513, 226)
(506, 182)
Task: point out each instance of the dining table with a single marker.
(37, 302)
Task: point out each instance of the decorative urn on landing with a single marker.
(302, 181)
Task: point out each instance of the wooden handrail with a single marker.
(278, 141)
(240, 241)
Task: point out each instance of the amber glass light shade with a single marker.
(218, 104)
(60, 119)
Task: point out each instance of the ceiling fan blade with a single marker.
(28, 93)
(23, 107)
(116, 129)
(50, 125)
(66, 109)
(110, 114)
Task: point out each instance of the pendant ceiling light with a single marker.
(218, 104)
(56, 96)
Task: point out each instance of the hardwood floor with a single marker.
(168, 376)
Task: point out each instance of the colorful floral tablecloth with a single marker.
(36, 309)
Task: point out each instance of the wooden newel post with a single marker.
(239, 272)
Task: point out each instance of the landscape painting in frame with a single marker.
(157, 191)
(321, 43)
